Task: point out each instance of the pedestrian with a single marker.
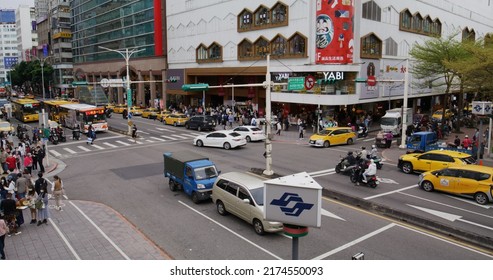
(40, 157)
(57, 192)
(467, 143)
(134, 132)
(4, 230)
(40, 182)
(231, 119)
(11, 162)
(278, 128)
(457, 141)
(301, 129)
(28, 163)
(10, 212)
(42, 205)
(31, 198)
(3, 160)
(388, 139)
(3, 188)
(21, 185)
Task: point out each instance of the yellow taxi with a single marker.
(333, 136)
(437, 116)
(469, 180)
(160, 116)
(136, 111)
(150, 113)
(433, 160)
(6, 127)
(119, 108)
(175, 119)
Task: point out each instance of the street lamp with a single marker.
(126, 55)
(42, 64)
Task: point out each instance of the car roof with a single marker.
(473, 167)
(449, 153)
(247, 180)
(337, 127)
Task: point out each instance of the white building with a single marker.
(27, 38)
(333, 43)
(8, 43)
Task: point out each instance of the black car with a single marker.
(200, 123)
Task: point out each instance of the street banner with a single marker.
(334, 32)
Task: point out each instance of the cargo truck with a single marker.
(392, 120)
(191, 172)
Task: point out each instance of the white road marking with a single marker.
(164, 129)
(123, 143)
(396, 191)
(469, 201)
(347, 245)
(324, 174)
(143, 132)
(196, 134)
(134, 141)
(98, 147)
(84, 148)
(158, 139)
(70, 150)
(167, 137)
(64, 239)
(55, 153)
(321, 171)
(111, 145)
(179, 136)
(368, 140)
(189, 135)
(149, 141)
(102, 232)
(331, 215)
(224, 227)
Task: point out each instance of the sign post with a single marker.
(296, 83)
(296, 201)
(481, 108)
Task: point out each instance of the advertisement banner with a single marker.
(178, 76)
(334, 32)
(370, 69)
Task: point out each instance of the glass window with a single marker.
(243, 194)
(262, 16)
(261, 47)
(215, 51)
(405, 19)
(417, 21)
(245, 19)
(232, 188)
(372, 11)
(427, 22)
(245, 49)
(448, 172)
(202, 53)
(371, 46)
(279, 13)
(278, 45)
(297, 44)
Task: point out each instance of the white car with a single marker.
(250, 132)
(223, 139)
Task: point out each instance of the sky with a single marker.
(14, 4)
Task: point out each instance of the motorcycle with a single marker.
(378, 162)
(61, 136)
(108, 112)
(341, 167)
(362, 131)
(76, 134)
(356, 177)
(54, 138)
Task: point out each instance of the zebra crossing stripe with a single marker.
(167, 137)
(149, 141)
(188, 135)
(163, 129)
(55, 153)
(70, 150)
(134, 141)
(84, 148)
(97, 147)
(123, 143)
(158, 139)
(143, 132)
(181, 137)
(195, 134)
(111, 145)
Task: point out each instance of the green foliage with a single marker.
(28, 74)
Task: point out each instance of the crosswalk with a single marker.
(66, 150)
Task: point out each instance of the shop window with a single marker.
(371, 46)
(417, 22)
(278, 46)
(372, 11)
(245, 49)
(262, 15)
(261, 47)
(297, 45)
(390, 47)
(245, 19)
(405, 20)
(468, 35)
(279, 13)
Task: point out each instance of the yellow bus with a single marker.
(54, 111)
(26, 109)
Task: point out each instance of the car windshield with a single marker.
(469, 160)
(205, 172)
(325, 132)
(388, 121)
(258, 195)
(234, 134)
(255, 129)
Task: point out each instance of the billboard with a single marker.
(334, 32)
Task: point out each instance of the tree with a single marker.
(431, 60)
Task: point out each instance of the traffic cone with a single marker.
(480, 162)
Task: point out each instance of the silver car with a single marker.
(242, 195)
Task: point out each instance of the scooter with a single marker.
(53, 138)
(378, 162)
(76, 134)
(356, 177)
(61, 136)
(342, 168)
(362, 131)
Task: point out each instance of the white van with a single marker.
(242, 195)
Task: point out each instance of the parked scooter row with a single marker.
(57, 135)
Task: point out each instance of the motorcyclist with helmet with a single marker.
(370, 171)
(350, 159)
(364, 153)
(373, 152)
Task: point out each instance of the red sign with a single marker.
(334, 32)
(371, 81)
(309, 82)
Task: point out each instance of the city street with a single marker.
(128, 177)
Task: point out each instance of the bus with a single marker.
(84, 115)
(52, 108)
(26, 109)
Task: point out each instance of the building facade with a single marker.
(331, 45)
(8, 46)
(27, 38)
(121, 26)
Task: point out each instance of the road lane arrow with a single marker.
(448, 216)
(331, 215)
